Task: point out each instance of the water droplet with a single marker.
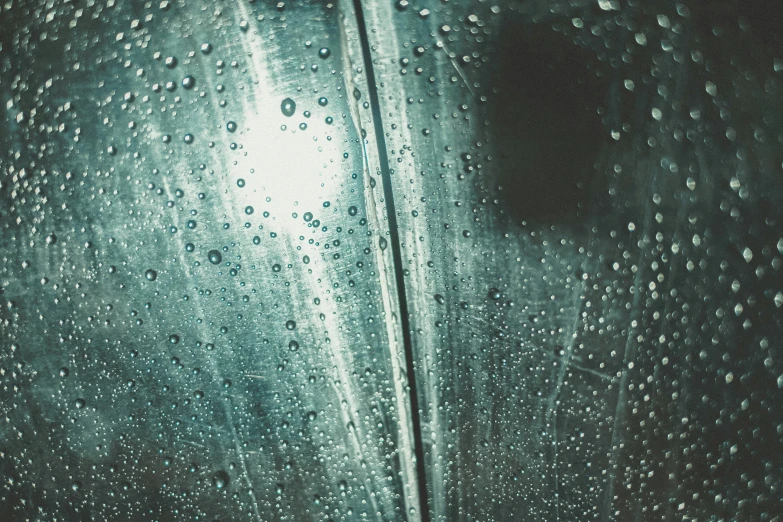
(293, 346)
(190, 247)
(214, 257)
(189, 138)
(151, 275)
(440, 299)
(383, 243)
(174, 339)
(324, 53)
(288, 107)
(248, 210)
(307, 216)
(188, 82)
(275, 267)
(51, 239)
(352, 210)
(322, 101)
(206, 48)
(64, 372)
(290, 324)
(80, 403)
(220, 479)
(231, 126)
(494, 294)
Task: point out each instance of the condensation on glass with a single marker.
(425, 261)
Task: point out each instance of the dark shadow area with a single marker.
(764, 18)
(546, 123)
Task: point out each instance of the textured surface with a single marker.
(200, 314)
(589, 200)
(180, 315)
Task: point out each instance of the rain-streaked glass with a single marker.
(391, 260)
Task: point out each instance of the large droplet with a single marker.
(151, 275)
(288, 107)
(220, 479)
(214, 257)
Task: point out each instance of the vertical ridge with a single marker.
(383, 158)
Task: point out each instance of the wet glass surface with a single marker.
(391, 260)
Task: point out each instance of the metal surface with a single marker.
(312, 261)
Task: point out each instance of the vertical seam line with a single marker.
(391, 213)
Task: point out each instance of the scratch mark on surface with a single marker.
(357, 446)
(459, 71)
(242, 461)
(591, 372)
(551, 413)
(186, 441)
